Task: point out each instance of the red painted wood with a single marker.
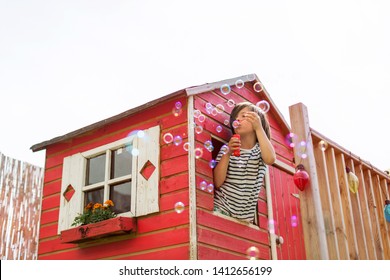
(50, 202)
(100, 250)
(205, 199)
(49, 216)
(228, 242)
(162, 221)
(177, 253)
(223, 225)
(173, 166)
(53, 174)
(51, 188)
(174, 183)
(207, 253)
(114, 226)
(168, 201)
(46, 231)
(171, 150)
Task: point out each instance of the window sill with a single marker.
(114, 226)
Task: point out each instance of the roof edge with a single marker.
(44, 144)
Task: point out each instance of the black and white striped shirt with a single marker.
(238, 195)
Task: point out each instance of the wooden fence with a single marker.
(20, 207)
(337, 223)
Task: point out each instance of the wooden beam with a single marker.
(310, 200)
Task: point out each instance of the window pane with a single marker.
(95, 169)
(120, 194)
(120, 162)
(95, 196)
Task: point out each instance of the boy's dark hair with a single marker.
(253, 108)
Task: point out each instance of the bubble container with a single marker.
(236, 153)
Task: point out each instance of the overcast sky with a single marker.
(67, 64)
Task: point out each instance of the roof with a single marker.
(187, 91)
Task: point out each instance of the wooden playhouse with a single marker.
(154, 157)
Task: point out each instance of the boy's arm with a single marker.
(267, 150)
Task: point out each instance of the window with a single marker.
(125, 171)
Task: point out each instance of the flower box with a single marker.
(114, 226)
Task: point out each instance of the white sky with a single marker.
(67, 64)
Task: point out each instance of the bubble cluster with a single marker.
(291, 139)
(177, 109)
(204, 186)
(209, 145)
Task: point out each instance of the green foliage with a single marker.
(94, 213)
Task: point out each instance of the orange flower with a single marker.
(97, 206)
(109, 203)
(89, 206)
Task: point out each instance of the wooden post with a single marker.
(310, 200)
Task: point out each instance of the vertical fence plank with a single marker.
(372, 205)
(20, 194)
(346, 206)
(337, 206)
(358, 218)
(327, 208)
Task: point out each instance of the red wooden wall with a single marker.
(164, 235)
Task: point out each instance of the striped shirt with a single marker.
(238, 195)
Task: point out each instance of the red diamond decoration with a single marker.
(69, 192)
(147, 170)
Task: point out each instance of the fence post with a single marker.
(310, 200)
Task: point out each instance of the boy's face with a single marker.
(243, 125)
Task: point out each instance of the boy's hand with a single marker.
(254, 119)
(234, 144)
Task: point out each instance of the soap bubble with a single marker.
(323, 145)
(212, 163)
(263, 106)
(235, 123)
(253, 253)
(179, 207)
(198, 129)
(210, 188)
(177, 140)
(239, 83)
(220, 108)
(198, 153)
(218, 128)
(225, 89)
(203, 185)
(231, 103)
(168, 138)
(291, 139)
(257, 87)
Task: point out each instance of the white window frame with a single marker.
(144, 192)
(108, 149)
